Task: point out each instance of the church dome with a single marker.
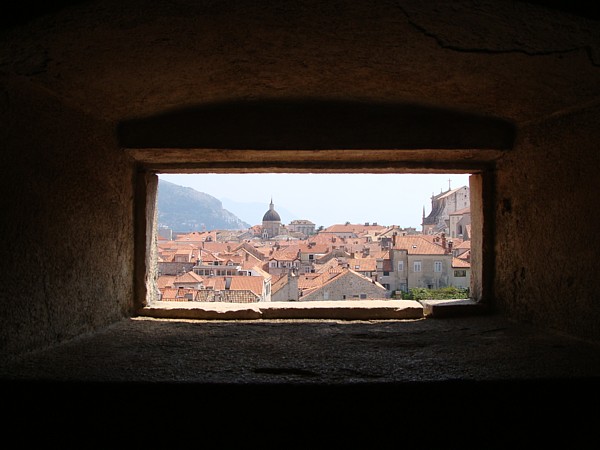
(271, 215)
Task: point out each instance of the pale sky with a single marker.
(328, 199)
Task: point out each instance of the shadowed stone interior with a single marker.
(80, 83)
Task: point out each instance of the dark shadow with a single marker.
(316, 124)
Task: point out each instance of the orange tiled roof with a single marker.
(284, 255)
(250, 261)
(172, 294)
(238, 283)
(197, 236)
(326, 278)
(353, 228)
(460, 263)
(464, 244)
(165, 281)
(418, 245)
(363, 264)
(189, 277)
(227, 296)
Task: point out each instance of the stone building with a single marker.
(442, 205)
(285, 288)
(345, 285)
(271, 223)
(303, 227)
(459, 224)
(415, 261)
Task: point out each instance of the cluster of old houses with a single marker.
(341, 262)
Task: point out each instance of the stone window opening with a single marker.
(152, 297)
(317, 136)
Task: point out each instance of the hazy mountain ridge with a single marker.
(186, 209)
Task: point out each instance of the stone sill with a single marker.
(341, 310)
(452, 308)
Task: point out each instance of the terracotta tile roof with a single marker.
(197, 236)
(327, 278)
(317, 247)
(332, 264)
(227, 296)
(220, 247)
(189, 277)
(363, 264)
(307, 282)
(285, 255)
(262, 272)
(418, 245)
(167, 256)
(238, 283)
(357, 229)
(384, 254)
(279, 283)
(465, 256)
(460, 263)
(249, 261)
(179, 295)
(207, 256)
(463, 244)
(165, 281)
(253, 283)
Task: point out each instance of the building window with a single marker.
(417, 266)
(460, 273)
(400, 266)
(437, 266)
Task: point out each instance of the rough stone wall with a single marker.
(67, 207)
(547, 217)
(67, 258)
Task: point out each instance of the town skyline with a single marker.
(328, 199)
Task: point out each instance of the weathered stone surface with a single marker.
(353, 310)
(71, 77)
(449, 308)
(338, 310)
(202, 310)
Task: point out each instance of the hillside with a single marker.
(185, 209)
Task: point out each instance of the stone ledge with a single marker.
(344, 310)
(451, 308)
